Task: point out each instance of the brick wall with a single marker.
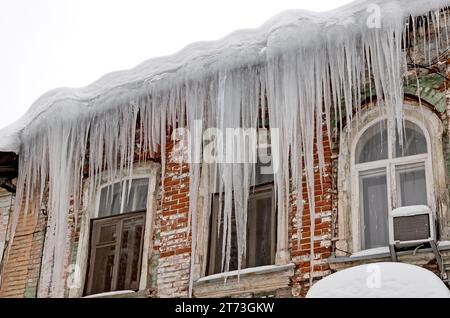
(300, 251)
(21, 266)
(6, 201)
(173, 236)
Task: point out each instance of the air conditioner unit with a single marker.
(411, 225)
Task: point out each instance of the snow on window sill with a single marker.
(120, 294)
(444, 245)
(250, 280)
(382, 252)
(247, 271)
(372, 251)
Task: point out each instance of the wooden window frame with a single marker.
(260, 191)
(96, 225)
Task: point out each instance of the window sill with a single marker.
(121, 294)
(249, 280)
(381, 254)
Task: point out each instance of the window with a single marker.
(117, 237)
(261, 223)
(389, 175)
(261, 233)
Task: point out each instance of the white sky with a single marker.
(46, 44)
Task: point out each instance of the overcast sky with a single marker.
(46, 44)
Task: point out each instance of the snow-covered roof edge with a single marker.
(244, 47)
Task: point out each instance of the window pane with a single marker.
(107, 234)
(130, 251)
(136, 198)
(373, 144)
(260, 234)
(260, 226)
(218, 248)
(103, 269)
(116, 255)
(111, 200)
(411, 185)
(374, 204)
(414, 141)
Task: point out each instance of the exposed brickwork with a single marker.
(6, 203)
(174, 244)
(22, 265)
(300, 251)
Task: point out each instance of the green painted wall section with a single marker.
(429, 90)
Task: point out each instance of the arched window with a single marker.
(388, 174)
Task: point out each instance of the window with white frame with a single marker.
(117, 236)
(388, 174)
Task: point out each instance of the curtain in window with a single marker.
(375, 158)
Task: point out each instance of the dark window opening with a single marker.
(117, 237)
(261, 232)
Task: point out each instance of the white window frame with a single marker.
(347, 236)
(390, 164)
(148, 170)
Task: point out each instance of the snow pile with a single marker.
(381, 280)
(306, 70)
(411, 210)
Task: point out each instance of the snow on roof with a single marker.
(296, 28)
(381, 280)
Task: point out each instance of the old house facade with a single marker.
(138, 222)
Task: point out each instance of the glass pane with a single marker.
(260, 234)
(373, 144)
(218, 241)
(103, 269)
(411, 185)
(414, 141)
(259, 252)
(130, 252)
(374, 204)
(111, 200)
(107, 234)
(136, 198)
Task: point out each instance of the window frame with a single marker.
(78, 275)
(390, 164)
(251, 279)
(256, 191)
(94, 245)
(127, 183)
